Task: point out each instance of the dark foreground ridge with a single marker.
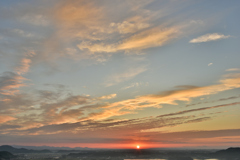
(129, 154)
(6, 155)
(11, 153)
(229, 153)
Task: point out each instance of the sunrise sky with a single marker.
(120, 73)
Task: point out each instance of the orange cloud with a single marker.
(9, 82)
(25, 64)
(107, 96)
(68, 116)
(75, 109)
(77, 18)
(77, 12)
(54, 112)
(231, 81)
(24, 67)
(107, 113)
(4, 118)
(150, 38)
(146, 39)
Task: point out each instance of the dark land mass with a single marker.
(118, 154)
(4, 155)
(228, 154)
(130, 154)
(21, 150)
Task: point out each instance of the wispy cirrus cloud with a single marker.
(10, 82)
(22, 33)
(76, 108)
(86, 30)
(150, 38)
(25, 63)
(110, 96)
(124, 76)
(107, 113)
(233, 69)
(136, 84)
(219, 100)
(63, 111)
(209, 64)
(209, 37)
(194, 135)
(78, 19)
(36, 19)
(200, 109)
(129, 27)
(97, 122)
(24, 67)
(146, 39)
(185, 93)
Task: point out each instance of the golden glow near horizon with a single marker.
(140, 75)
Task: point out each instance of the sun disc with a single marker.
(138, 147)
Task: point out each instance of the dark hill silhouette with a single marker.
(230, 153)
(230, 150)
(6, 155)
(21, 150)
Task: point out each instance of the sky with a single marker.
(120, 73)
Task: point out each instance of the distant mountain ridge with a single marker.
(51, 148)
(21, 150)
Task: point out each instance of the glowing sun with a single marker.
(138, 147)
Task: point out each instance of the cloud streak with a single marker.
(78, 109)
(186, 93)
(233, 69)
(25, 64)
(209, 37)
(199, 109)
(124, 76)
(146, 39)
(4, 118)
(150, 38)
(10, 82)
